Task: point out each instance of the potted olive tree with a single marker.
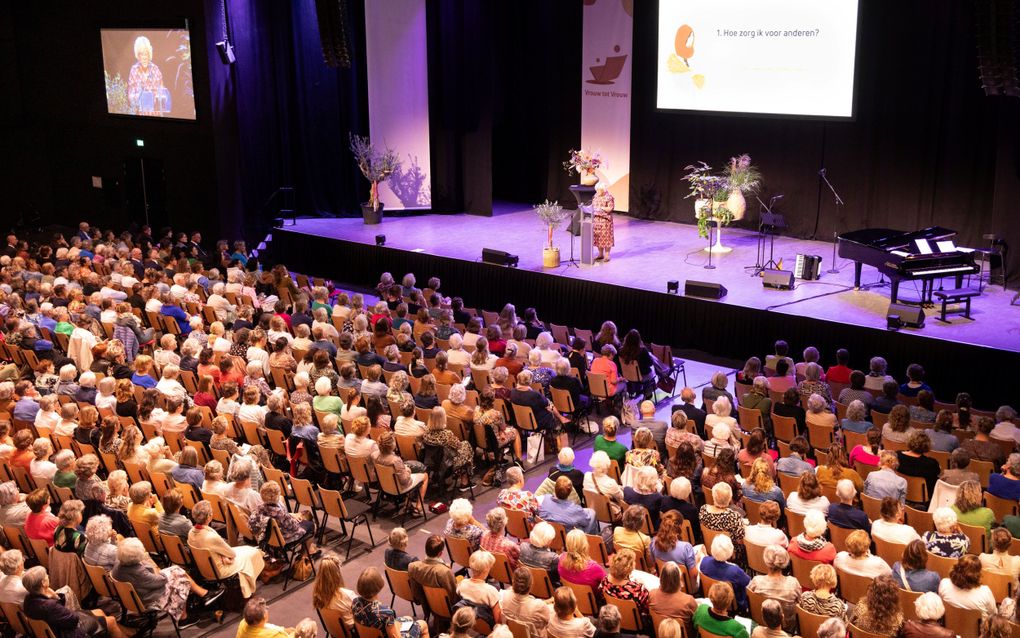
(552, 215)
(376, 165)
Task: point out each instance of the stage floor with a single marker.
(649, 253)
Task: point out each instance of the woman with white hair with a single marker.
(777, 586)
(718, 516)
(463, 524)
(856, 419)
(716, 389)
(535, 551)
(475, 590)
(547, 349)
(947, 539)
(166, 590)
(929, 609)
(170, 387)
(66, 385)
(720, 414)
(818, 412)
(813, 384)
(13, 510)
(721, 435)
(525, 395)
(325, 401)
(254, 377)
(718, 567)
(811, 543)
(540, 371)
(41, 468)
(599, 481)
(647, 492)
(858, 559)
(86, 388)
(514, 496)
(876, 376)
(455, 405)
(100, 546)
(245, 561)
(456, 355)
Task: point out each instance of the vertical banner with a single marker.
(606, 48)
(398, 97)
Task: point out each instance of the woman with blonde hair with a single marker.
(858, 559)
(822, 601)
(575, 565)
(970, 509)
(760, 487)
(457, 454)
(329, 591)
(619, 584)
(838, 468)
(482, 359)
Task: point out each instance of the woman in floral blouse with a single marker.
(516, 497)
(368, 611)
(456, 453)
(618, 583)
(488, 416)
(292, 527)
(948, 540)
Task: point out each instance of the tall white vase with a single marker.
(736, 204)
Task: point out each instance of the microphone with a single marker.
(822, 172)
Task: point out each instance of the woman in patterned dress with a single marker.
(144, 76)
(602, 206)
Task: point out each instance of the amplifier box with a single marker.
(707, 289)
(779, 279)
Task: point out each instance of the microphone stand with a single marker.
(839, 202)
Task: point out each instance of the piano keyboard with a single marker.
(942, 271)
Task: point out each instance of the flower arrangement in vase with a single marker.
(585, 162)
(742, 178)
(376, 165)
(710, 191)
(552, 215)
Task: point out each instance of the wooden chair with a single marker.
(978, 538)
(965, 622)
(459, 550)
(872, 507)
(709, 535)
(389, 486)
(755, 599)
(517, 524)
(750, 418)
(541, 586)
(355, 513)
(1002, 507)
(794, 523)
(333, 623)
(501, 572)
(941, 565)
(586, 601)
(598, 552)
(753, 511)
(837, 535)
(755, 557)
(802, 570)
(888, 551)
(517, 629)
(784, 427)
(1000, 583)
(851, 586)
(630, 619)
(857, 632)
(853, 439)
(821, 436)
(788, 483)
(920, 520)
(984, 469)
(400, 586)
(133, 604)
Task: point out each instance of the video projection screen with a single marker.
(148, 72)
(776, 57)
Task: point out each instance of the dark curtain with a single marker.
(927, 147)
(461, 79)
(287, 113)
(537, 116)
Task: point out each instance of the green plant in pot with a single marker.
(710, 192)
(376, 165)
(552, 215)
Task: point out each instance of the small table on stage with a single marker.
(582, 223)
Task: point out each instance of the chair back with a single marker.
(541, 586)
(459, 550)
(852, 587)
(175, 550)
(802, 571)
(40, 628)
(750, 418)
(438, 600)
(1000, 583)
(788, 483)
(400, 584)
(1002, 507)
(907, 599)
(361, 469)
(630, 619)
(917, 489)
(147, 535)
(501, 572)
(525, 417)
(756, 557)
(888, 551)
(857, 632)
(837, 535)
(128, 597)
(333, 623)
(965, 622)
(242, 525)
(562, 400)
(277, 442)
(753, 511)
(853, 439)
(41, 551)
(821, 436)
(784, 427)
(809, 623)
(709, 534)
(794, 523)
(920, 520)
(756, 599)
(984, 469)
(517, 524)
(597, 550)
(365, 631)
(598, 386)
(387, 476)
(872, 507)
(706, 585)
(978, 538)
(517, 629)
(586, 602)
(941, 565)
(15, 618)
(99, 578)
(600, 504)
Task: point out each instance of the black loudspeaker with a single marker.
(909, 316)
(498, 257)
(704, 289)
(780, 279)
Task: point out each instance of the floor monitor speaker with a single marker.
(780, 279)
(707, 289)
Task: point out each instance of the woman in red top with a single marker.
(40, 523)
(605, 365)
(811, 544)
(205, 395)
(206, 366)
(23, 454)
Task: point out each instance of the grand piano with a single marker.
(907, 256)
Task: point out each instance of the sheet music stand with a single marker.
(768, 224)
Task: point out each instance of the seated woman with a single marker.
(42, 603)
(476, 590)
(999, 559)
(599, 481)
(619, 584)
(911, 573)
(294, 526)
(808, 496)
(495, 539)
(369, 611)
(822, 600)
(245, 561)
(915, 462)
(929, 610)
(462, 623)
(455, 406)
(758, 399)
(970, 509)
(856, 391)
(463, 524)
(667, 545)
(679, 500)
(720, 415)
(879, 611)
(719, 441)
(457, 454)
(426, 397)
(647, 492)
(868, 454)
(798, 461)
(535, 551)
(941, 433)
(329, 591)
(164, 590)
(715, 617)
(524, 395)
(760, 486)
(100, 547)
(757, 448)
(777, 586)
(856, 419)
(963, 588)
(818, 412)
(487, 415)
(40, 523)
(670, 600)
(858, 559)
(628, 534)
(924, 411)
(576, 566)
(947, 539)
(643, 453)
(515, 497)
(897, 428)
(790, 406)
(66, 537)
(565, 621)
(838, 468)
(717, 566)
(408, 474)
(764, 533)
(811, 544)
(890, 527)
(718, 516)
(724, 470)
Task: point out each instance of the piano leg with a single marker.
(894, 289)
(857, 275)
(959, 282)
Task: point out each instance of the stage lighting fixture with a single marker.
(672, 287)
(380, 240)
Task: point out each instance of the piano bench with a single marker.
(959, 295)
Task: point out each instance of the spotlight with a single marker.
(672, 287)
(380, 240)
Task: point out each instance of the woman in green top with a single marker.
(969, 509)
(65, 476)
(66, 537)
(716, 619)
(607, 441)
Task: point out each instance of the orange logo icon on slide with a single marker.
(679, 61)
